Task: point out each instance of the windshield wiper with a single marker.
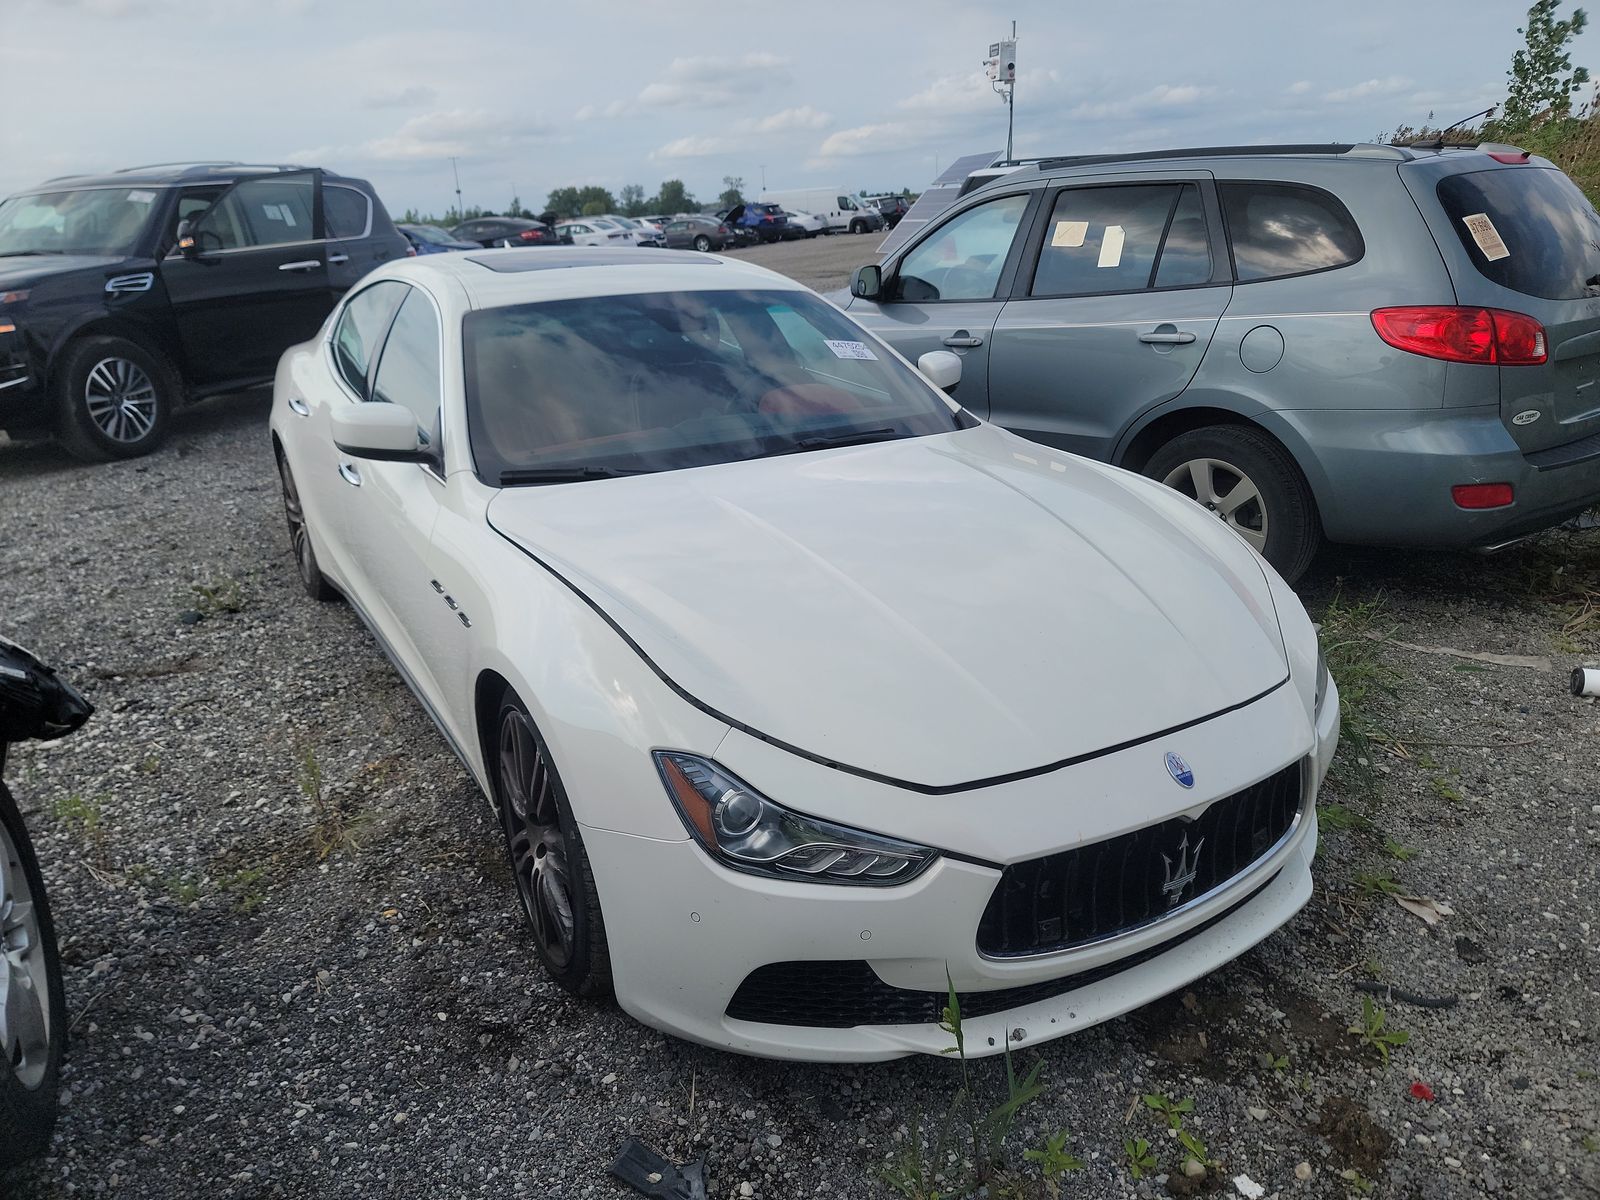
(855, 437)
(524, 475)
(20, 253)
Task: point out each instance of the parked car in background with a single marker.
(698, 233)
(639, 234)
(891, 209)
(34, 703)
(430, 239)
(842, 211)
(655, 221)
(809, 224)
(123, 296)
(713, 459)
(592, 233)
(1373, 344)
(757, 222)
(506, 231)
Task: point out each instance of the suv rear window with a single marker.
(1527, 228)
(1279, 229)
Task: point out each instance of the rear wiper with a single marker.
(523, 475)
(856, 437)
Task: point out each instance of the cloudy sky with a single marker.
(534, 96)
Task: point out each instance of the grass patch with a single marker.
(85, 816)
(245, 887)
(1349, 640)
(218, 596)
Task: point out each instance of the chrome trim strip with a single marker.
(123, 285)
(1268, 863)
(15, 383)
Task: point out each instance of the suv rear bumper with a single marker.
(1383, 477)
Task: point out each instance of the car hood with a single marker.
(938, 611)
(25, 270)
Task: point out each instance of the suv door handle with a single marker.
(350, 474)
(306, 264)
(335, 259)
(961, 338)
(1166, 337)
(299, 407)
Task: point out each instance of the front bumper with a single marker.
(1383, 476)
(685, 933)
(24, 407)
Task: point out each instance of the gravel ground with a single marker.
(295, 967)
(823, 262)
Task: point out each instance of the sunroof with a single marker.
(550, 258)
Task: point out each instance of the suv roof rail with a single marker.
(187, 164)
(1354, 149)
(206, 167)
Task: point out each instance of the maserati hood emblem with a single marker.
(1179, 770)
(1180, 877)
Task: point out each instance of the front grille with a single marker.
(841, 994)
(1106, 888)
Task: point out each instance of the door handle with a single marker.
(335, 259)
(1166, 337)
(305, 264)
(350, 474)
(299, 407)
(962, 339)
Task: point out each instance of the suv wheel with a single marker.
(1251, 484)
(113, 398)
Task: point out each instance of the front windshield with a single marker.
(105, 221)
(666, 380)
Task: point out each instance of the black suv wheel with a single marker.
(113, 399)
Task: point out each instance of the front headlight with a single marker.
(1322, 682)
(742, 829)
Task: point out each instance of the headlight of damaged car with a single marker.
(743, 829)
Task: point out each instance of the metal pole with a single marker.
(460, 212)
(1011, 101)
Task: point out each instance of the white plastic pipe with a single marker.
(1586, 681)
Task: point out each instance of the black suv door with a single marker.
(360, 237)
(255, 281)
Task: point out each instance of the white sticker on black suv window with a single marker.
(851, 350)
(1111, 247)
(1069, 233)
(1486, 235)
(141, 197)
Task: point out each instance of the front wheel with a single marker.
(551, 866)
(33, 1016)
(1249, 482)
(858, 226)
(305, 557)
(113, 399)
(703, 244)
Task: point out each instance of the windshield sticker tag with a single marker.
(1111, 247)
(1069, 233)
(141, 197)
(852, 350)
(1486, 235)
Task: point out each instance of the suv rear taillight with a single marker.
(1459, 334)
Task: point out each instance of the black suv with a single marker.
(123, 295)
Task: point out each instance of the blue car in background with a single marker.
(430, 239)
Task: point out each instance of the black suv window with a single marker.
(408, 372)
(347, 213)
(261, 212)
(1111, 239)
(1279, 229)
(361, 328)
(1527, 228)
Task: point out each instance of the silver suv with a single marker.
(1377, 344)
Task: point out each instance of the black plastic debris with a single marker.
(642, 1169)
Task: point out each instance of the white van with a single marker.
(842, 211)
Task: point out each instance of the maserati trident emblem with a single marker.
(1179, 770)
(1179, 879)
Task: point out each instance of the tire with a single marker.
(702, 243)
(858, 226)
(29, 1083)
(113, 399)
(555, 884)
(1279, 519)
(305, 556)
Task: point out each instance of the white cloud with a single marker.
(590, 112)
(788, 120)
(456, 131)
(1164, 97)
(713, 80)
(405, 97)
(952, 94)
(1368, 88)
(868, 139)
(1299, 87)
(689, 147)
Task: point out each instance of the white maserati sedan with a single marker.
(800, 690)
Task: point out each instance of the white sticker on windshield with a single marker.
(1486, 235)
(1111, 246)
(852, 350)
(140, 197)
(1069, 233)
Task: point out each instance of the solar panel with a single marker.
(936, 197)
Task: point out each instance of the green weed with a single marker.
(1372, 1030)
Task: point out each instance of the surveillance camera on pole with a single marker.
(1001, 68)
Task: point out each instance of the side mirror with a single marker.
(379, 431)
(867, 282)
(188, 244)
(941, 368)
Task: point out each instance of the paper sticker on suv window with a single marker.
(1111, 247)
(1486, 235)
(1069, 233)
(140, 197)
(851, 350)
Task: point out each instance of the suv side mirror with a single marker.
(379, 431)
(867, 282)
(941, 368)
(188, 244)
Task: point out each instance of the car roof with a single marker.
(493, 278)
(171, 174)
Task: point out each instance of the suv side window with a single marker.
(408, 371)
(1278, 229)
(262, 212)
(361, 327)
(346, 211)
(963, 258)
(1125, 238)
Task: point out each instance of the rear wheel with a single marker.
(554, 881)
(33, 1017)
(1250, 483)
(113, 399)
(305, 557)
